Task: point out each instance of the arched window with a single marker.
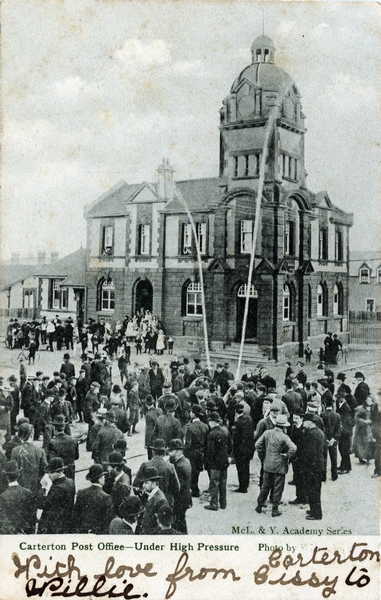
(193, 304)
(364, 274)
(291, 229)
(322, 300)
(286, 303)
(335, 300)
(107, 295)
(243, 291)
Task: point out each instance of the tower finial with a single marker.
(263, 21)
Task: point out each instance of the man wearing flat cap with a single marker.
(17, 504)
(155, 499)
(183, 498)
(30, 459)
(167, 427)
(106, 438)
(92, 510)
(56, 500)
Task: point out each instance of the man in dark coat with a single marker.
(362, 390)
(333, 428)
(16, 401)
(30, 459)
(17, 505)
(313, 461)
(92, 510)
(218, 448)
(195, 445)
(151, 417)
(81, 387)
(296, 434)
(67, 367)
(15, 440)
(156, 379)
(183, 498)
(63, 446)
(56, 501)
(155, 500)
(243, 447)
(167, 427)
(169, 482)
(345, 441)
(106, 438)
(221, 379)
(61, 406)
(30, 398)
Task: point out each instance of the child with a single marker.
(308, 353)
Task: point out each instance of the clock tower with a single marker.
(244, 116)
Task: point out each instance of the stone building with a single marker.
(141, 249)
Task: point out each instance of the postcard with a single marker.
(190, 300)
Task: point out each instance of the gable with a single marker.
(144, 194)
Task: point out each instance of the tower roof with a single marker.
(263, 42)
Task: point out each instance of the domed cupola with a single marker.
(263, 50)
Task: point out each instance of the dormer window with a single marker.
(364, 274)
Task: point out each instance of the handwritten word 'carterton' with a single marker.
(182, 571)
(320, 556)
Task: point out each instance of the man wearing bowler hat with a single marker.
(169, 482)
(118, 478)
(127, 515)
(155, 499)
(67, 367)
(183, 499)
(151, 416)
(345, 440)
(218, 448)
(56, 499)
(165, 521)
(313, 465)
(92, 510)
(195, 442)
(243, 447)
(17, 504)
(63, 446)
(275, 449)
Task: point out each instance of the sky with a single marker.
(95, 92)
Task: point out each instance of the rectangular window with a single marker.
(289, 167)
(339, 248)
(64, 298)
(194, 304)
(370, 304)
(56, 294)
(246, 236)
(186, 245)
(246, 157)
(379, 275)
(107, 241)
(144, 239)
(28, 299)
(323, 243)
(201, 237)
(236, 166)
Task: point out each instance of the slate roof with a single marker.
(113, 202)
(71, 267)
(372, 258)
(199, 194)
(10, 274)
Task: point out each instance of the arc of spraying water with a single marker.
(199, 262)
(274, 114)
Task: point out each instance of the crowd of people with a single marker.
(194, 420)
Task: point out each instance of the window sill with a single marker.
(289, 179)
(190, 318)
(238, 177)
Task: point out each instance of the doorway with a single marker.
(252, 317)
(143, 295)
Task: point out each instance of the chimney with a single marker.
(53, 257)
(165, 186)
(41, 258)
(15, 258)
